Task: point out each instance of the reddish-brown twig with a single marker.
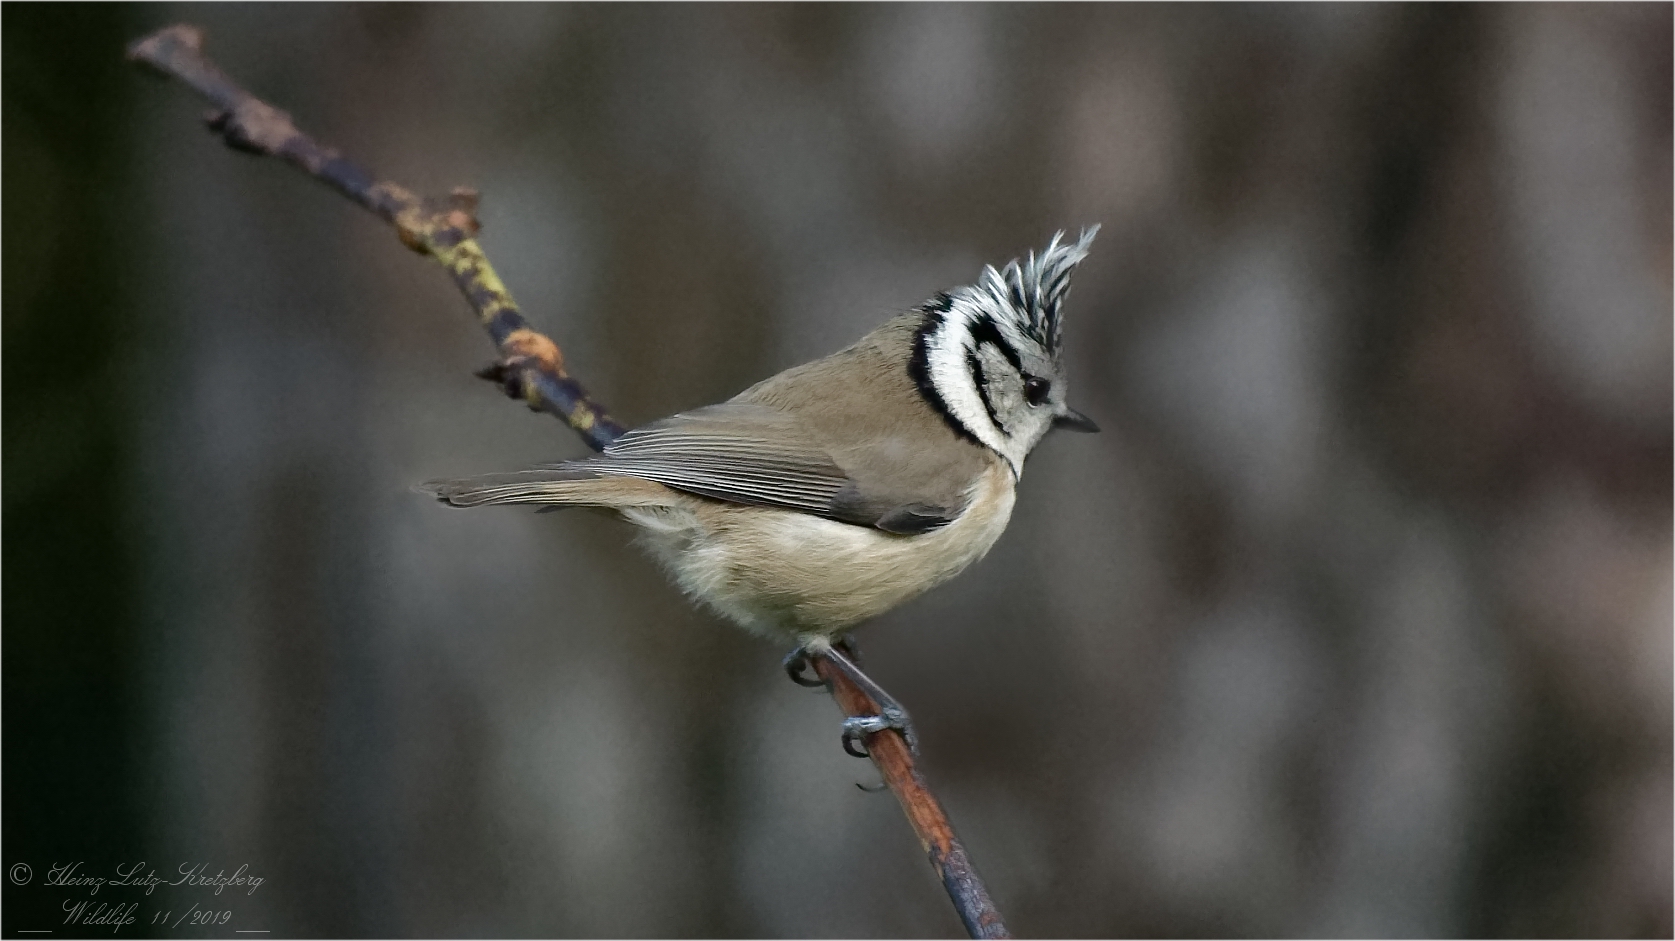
(947, 854)
(531, 367)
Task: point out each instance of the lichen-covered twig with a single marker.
(530, 367)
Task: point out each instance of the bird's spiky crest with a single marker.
(1011, 313)
(1035, 286)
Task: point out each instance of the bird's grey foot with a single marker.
(847, 646)
(890, 715)
(799, 663)
(856, 728)
(800, 668)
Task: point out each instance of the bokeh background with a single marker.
(1356, 620)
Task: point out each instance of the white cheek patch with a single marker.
(946, 352)
(949, 354)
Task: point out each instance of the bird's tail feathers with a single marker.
(548, 486)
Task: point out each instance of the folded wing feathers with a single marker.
(733, 452)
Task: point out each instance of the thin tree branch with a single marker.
(947, 854)
(531, 367)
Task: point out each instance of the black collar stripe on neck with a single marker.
(919, 367)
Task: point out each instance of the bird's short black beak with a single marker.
(1072, 420)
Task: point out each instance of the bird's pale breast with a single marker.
(786, 573)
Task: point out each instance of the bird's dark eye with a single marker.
(1036, 390)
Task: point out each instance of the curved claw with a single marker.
(853, 745)
(846, 645)
(880, 786)
(855, 727)
(798, 666)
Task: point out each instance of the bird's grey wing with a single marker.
(756, 455)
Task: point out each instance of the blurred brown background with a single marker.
(1355, 621)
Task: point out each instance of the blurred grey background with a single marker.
(1355, 621)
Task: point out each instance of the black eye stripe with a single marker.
(979, 380)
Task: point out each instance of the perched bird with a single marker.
(838, 489)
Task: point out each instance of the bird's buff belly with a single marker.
(778, 572)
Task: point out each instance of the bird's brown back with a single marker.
(863, 407)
